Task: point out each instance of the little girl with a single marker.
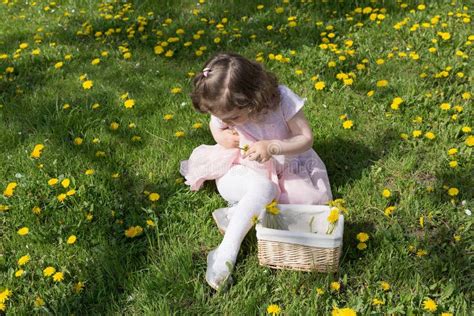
(263, 151)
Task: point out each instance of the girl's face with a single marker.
(234, 117)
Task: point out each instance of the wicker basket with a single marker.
(301, 243)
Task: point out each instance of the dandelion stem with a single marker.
(157, 136)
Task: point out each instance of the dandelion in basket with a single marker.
(340, 204)
(272, 207)
(272, 216)
(332, 219)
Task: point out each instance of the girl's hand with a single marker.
(260, 151)
(230, 138)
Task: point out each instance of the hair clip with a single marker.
(205, 71)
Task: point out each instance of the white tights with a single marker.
(253, 192)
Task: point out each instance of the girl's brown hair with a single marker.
(234, 82)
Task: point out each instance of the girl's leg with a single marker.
(253, 192)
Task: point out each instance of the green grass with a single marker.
(162, 270)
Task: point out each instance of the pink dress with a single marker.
(301, 178)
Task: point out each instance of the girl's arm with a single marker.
(224, 137)
(301, 140)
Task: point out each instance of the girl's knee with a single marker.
(264, 188)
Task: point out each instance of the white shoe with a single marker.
(222, 217)
(218, 282)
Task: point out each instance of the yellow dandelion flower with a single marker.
(273, 309)
(469, 141)
(9, 190)
(133, 231)
(385, 285)
(78, 141)
(49, 271)
(389, 210)
(416, 133)
(361, 246)
(343, 312)
(154, 197)
(65, 183)
(348, 81)
(382, 83)
(23, 231)
(87, 84)
(36, 153)
(386, 193)
(158, 50)
(453, 191)
(421, 253)
(5, 295)
(58, 277)
(429, 305)
(168, 117)
(61, 197)
(23, 260)
(333, 215)
(71, 239)
(53, 181)
(362, 237)
(347, 124)
(272, 207)
(254, 220)
(396, 103)
(445, 106)
(444, 35)
(430, 135)
(19, 273)
(95, 61)
(377, 302)
(129, 103)
(39, 302)
(319, 85)
(58, 65)
(179, 134)
(78, 287)
(114, 126)
(335, 286)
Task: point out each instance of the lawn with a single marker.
(95, 117)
